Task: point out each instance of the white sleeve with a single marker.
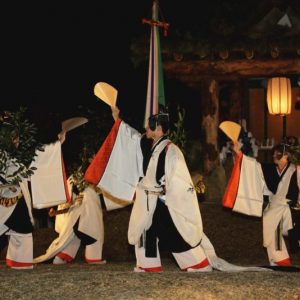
(251, 189)
(124, 167)
(47, 182)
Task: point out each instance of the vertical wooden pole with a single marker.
(210, 124)
(283, 127)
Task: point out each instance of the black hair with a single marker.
(161, 119)
(292, 140)
(282, 148)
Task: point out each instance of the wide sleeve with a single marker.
(48, 183)
(118, 163)
(251, 188)
(293, 190)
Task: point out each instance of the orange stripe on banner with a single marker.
(98, 165)
(233, 183)
(69, 200)
(12, 263)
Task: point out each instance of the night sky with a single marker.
(53, 53)
(56, 52)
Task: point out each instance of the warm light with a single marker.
(279, 96)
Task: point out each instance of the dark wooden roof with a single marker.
(194, 70)
(236, 39)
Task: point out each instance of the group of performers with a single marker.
(149, 171)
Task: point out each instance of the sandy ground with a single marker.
(236, 238)
(117, 281)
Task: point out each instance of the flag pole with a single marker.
(155, 87)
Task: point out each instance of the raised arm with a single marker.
(62, 136)
(236, 147)
(115, 112)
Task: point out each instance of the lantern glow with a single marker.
(279, 96)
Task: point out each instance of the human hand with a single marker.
(62, 136)
(236, 147)
(52, 212)
(115, 112)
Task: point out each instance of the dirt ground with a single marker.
(236, 238)
(117, 281)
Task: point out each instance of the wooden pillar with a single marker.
(210, 123)
(231, 99)
(235, 100)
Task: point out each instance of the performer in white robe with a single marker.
(250, 182)
(80, 223)
(16, 220)
(165, 213)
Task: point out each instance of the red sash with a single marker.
(231, 190)
(98, 165)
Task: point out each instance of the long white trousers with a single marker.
(278, 257)
(193, 258)
(93, 252)
(20, 250)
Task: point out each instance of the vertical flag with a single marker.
(155, 89)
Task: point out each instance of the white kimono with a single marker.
(51, 156)
(20, 247)
(249, 200)
(121, 179)
(89, 213)
(180, 198)
(22, 187)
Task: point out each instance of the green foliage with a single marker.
(178, 135)
(295, 155)
(78, 180)
(18, 144)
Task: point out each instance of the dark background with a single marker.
(54, 52)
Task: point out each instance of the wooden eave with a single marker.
(193, 71)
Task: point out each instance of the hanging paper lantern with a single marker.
(279, 96)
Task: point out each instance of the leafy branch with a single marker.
(18, 145)
(295, 155)
(178, 135)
